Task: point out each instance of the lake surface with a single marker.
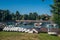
(28, 25)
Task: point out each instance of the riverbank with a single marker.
(26, 36)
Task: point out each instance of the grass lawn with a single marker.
(26, 36)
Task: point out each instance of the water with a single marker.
(20, 25)
(28, 25)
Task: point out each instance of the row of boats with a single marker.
(19, 29)
(52, 28)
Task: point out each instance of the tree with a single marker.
(7, 15)
(17, 15)
(56, 11)
(39, 17)
(35, 16)
(45, 17)
(30, 16)
(25, 17)
(13, 16)
(1, 12)
(22, 17)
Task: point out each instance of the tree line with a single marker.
(6, 15)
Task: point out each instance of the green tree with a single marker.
(22, 17)
(13, 16)
(56, 11)
(45, 17)
(35, 16)
(7, 15)
(25, 17)
(39, 17)
(30, 16)
(17, 15)
(1, 12)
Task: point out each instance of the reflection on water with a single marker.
(28, 25)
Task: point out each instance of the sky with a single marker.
(27, 6)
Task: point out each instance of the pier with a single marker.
(31, 21)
